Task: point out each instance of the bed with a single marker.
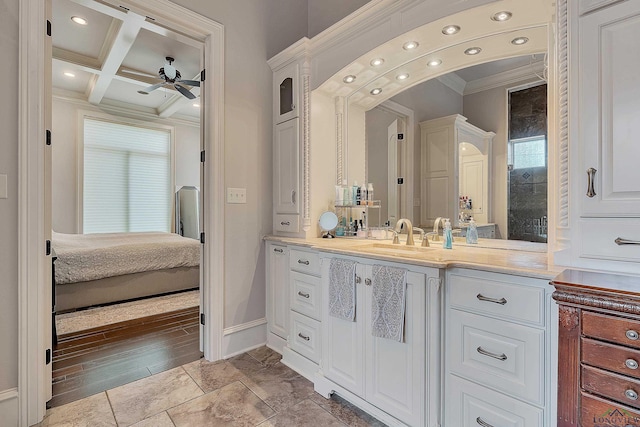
(95, 269)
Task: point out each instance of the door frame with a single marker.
(33, 263)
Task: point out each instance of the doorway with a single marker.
(34, 212)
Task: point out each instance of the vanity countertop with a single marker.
(500, 256)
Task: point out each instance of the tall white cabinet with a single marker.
(606, 176)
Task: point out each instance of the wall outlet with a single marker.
(236, 195)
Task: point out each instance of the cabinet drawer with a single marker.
(305, 294)
(599, 235)
(469, 405)
(596, 411)
(613, 386)
(610, 328)
(502, 355)
(286, 223)
(304, 262)
(611, 357)
(497, 298)
(305, 336)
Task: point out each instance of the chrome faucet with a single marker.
(423, 237)
(436, 226)
(405, 221)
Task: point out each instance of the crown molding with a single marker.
(290, 54)
(515, 75)
(453, 81)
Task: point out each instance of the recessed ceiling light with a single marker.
(472, 51)
(450, 30)
(403, 76)
(68, 74)
(410, 45)
(376, 91)
(519, 40)
(349, 79)
(434, 62)
(79, 20)
(377, 62)
(502, 16)
(196, 105)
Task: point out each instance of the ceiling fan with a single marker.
(171, 77)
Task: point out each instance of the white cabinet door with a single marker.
(609, 107)
(286, 93)
(343, 349)
(278, 289)
(395, 371)
(286, 168)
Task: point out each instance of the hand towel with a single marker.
(342, 289)
(388, 302)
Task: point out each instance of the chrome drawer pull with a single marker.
(500, 301)
(303, 336)
(620, 241)
(358, 279)
(278, 250)
(631, 364)
(591, 173)
(631, 394)
(483, 423)
(285, 223)
(631, 334)
(303, 295)
(484, 352)
(305, 262)
(367, 281)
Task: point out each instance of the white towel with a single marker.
(388, 302)
(342, 289)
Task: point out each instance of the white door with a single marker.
(286, 168)
(393, 173)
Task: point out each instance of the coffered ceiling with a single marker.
(116, 54)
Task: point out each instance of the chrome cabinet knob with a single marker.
(632, 395)
(631, 364)
(631, 334)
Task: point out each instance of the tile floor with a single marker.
(252, 389)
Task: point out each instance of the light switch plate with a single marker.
(236, 195)
(3, 186)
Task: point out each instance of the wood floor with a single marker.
(91, 361)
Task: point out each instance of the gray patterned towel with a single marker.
(342, 289)
(388, 302)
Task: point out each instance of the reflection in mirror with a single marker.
(480, 94)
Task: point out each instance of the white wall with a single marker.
(488, 111)
(325, 13)
(66, 131)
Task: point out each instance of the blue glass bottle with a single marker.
(447, 235)
(472, 232)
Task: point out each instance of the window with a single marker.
(127, 178)
(528, 152)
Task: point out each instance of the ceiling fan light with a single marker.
(79, 20)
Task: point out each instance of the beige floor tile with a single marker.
(265, 355)
(213, 375)
(346, 412)
(279, 386)
(246, 364)
(160, 420)
(232, 405)
(146, 397)
(92, 411)
(305, 413)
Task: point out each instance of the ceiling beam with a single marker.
(120, 46)
(105, 9)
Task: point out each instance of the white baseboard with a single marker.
(276, 343)
(241, 338)
(300, 364)
(9, 407)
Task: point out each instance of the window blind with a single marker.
(127, 178)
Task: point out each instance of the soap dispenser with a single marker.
(447, 235)
(472, 232)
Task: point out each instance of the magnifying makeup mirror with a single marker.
(328, 222)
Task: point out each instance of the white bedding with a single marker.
(83, 257)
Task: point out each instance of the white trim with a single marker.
(9, 407)
(453, 81)
(242, 338)
(34, 385)
(515, 75)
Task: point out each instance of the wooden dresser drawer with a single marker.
(305, 336)
(305, 294)
(611, 357)
(610, 328)
(596, 412)
(502, 355)
(613, 386)
(497, 298)
(304, 262)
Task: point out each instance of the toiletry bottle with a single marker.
(339, 195)
(447, 235)
(370, 194)
(472, 232)
(363, 195)
(346, 193)
(354, 193)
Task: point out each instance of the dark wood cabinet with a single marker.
(598, 349)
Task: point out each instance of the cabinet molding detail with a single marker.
(568, 379)
(306, 148)
(563, 110)
(339, 139)
(605, 303)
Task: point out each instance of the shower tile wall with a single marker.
(528, 186)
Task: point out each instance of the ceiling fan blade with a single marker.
(191, 82)
(139, 73)
(183, 90)
(151, 88)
